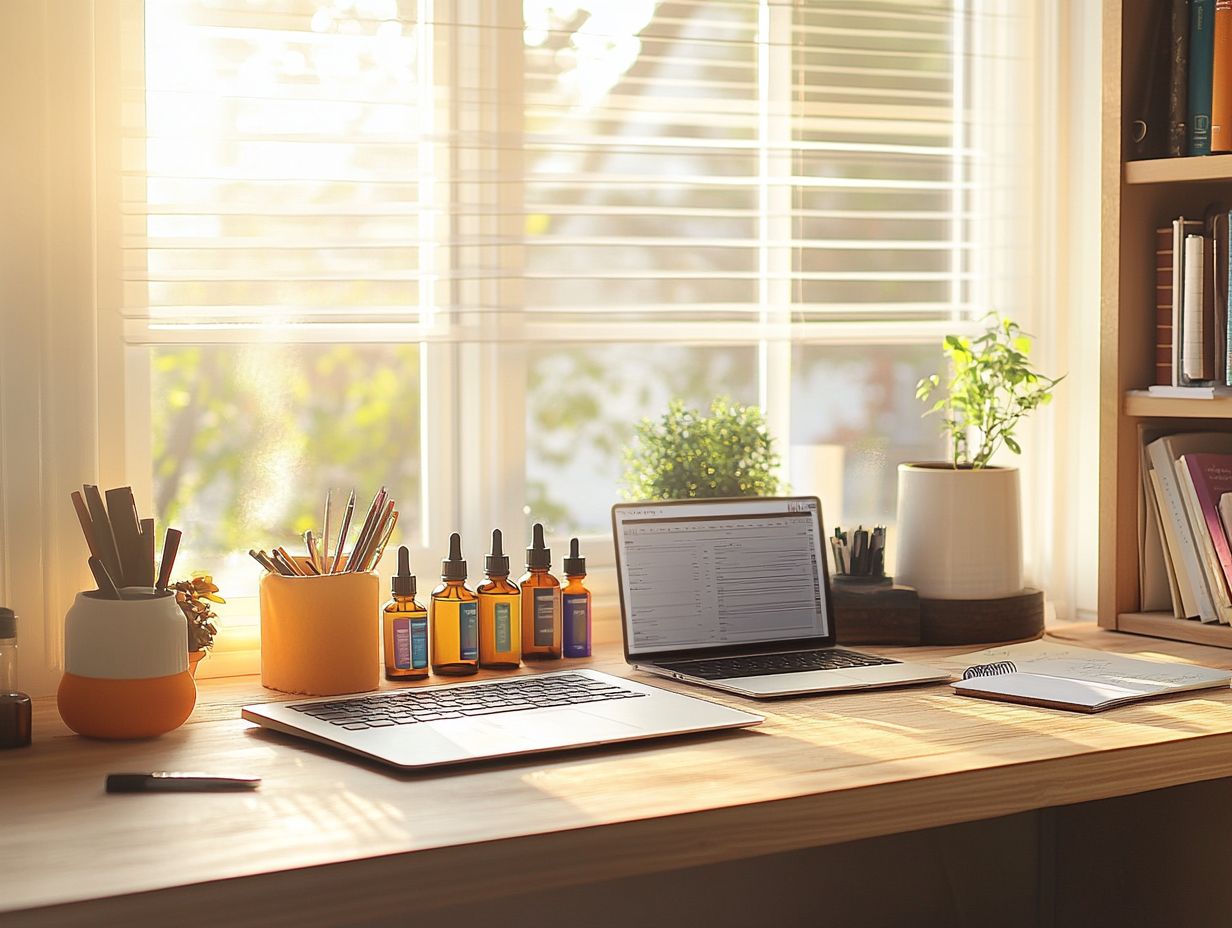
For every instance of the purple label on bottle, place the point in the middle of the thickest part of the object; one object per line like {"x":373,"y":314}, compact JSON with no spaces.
{"x":402,"y":644}
{"x":577,"y":624}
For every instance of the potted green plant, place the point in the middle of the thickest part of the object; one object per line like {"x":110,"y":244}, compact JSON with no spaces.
{"x":959,"y":522}
{"x":687,"y":453}
{"x":195,"y":598}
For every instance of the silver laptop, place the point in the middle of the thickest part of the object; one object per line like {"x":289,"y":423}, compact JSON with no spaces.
{"x":429,"y":726}
{"x":735,"y":594}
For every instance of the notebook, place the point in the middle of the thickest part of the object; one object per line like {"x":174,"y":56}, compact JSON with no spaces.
{"x":1041,"y":673}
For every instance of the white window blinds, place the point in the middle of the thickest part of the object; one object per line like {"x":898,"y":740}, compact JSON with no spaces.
{"x":693,"y":169}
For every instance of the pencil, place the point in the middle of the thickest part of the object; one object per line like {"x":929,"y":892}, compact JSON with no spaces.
{"x":371,"y":524}
{"x":374,"y":538}
{"x":329,"y":496}
{"x":340,"y":543}
{"x":380,"y":550}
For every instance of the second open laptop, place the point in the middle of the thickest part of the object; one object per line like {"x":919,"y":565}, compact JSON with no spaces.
{"x":735,"y":594}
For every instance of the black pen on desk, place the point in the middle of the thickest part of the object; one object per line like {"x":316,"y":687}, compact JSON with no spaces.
{"x":175,"y":782}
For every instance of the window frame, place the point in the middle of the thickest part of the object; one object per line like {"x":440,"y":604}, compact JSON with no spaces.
{"x":473,"y":476}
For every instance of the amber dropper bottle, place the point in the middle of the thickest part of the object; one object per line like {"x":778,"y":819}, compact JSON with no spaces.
{"x":541,"y":622}
{"x":405,"y":627}
{"x":575,"y":605}
{"x":500,"y":612}
{"x":454,"y":618}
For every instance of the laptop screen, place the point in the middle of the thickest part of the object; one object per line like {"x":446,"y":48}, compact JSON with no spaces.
{"x":709,"y":573}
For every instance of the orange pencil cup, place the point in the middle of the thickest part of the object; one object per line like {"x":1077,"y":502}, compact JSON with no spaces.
{"x":320,"y":636}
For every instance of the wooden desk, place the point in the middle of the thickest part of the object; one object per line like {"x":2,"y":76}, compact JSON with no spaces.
{"x":330,"y":840}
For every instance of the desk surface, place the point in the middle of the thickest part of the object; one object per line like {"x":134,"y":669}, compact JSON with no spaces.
{"x":820,"y":770}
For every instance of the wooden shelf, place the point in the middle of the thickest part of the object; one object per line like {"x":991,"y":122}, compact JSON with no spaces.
{"x":1173,"y":170}
{"x":1137,"y":404}
{"x":1166,"y":625}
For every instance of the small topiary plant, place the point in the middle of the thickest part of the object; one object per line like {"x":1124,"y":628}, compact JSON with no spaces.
{"x":687,"y":454}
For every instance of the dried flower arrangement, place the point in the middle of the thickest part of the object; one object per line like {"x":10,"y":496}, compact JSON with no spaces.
{"x":195,"y":597}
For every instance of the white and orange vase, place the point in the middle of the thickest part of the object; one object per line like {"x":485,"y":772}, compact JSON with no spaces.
{"x":126,"y":666}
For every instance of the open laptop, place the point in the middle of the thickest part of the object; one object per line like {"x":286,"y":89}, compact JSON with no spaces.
{"x":735,"y":594}
{"x":428,"y":726}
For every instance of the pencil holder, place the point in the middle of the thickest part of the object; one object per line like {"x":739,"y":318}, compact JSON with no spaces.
{"x":126,"y":666}
{"x":320,"y":636}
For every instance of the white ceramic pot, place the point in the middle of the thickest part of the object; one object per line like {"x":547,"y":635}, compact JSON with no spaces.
{"x":959,"y":531}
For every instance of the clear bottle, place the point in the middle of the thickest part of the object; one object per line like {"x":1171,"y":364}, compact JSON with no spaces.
{"x":500,"y":612}
{"x":454,"y":618}
{"x":405,"y":627}
{"x":541,"y":618}
{"x":575,"y":605}
{"x":15,"y":708}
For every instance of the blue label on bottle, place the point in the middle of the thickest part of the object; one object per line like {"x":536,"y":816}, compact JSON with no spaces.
{"x":504,"y":631}
{"x":402,"y":644}
{"x":419,"y":643}
{"x":577,"y":625}
{"x":468,"y":631}
{"x":547,"y":604}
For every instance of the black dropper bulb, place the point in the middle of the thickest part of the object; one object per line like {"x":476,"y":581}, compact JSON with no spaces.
{"x":497,"y":563}
{"x":453,"y":567}
{"x":404,"y":580}
{"x":538,"y":556}
{"x":575,"y":564}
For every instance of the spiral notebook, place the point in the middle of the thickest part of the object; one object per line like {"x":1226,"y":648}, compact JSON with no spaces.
{"x":1039,"y":673}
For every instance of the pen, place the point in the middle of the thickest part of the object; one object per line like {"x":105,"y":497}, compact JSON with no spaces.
{"x":342,"y":533}
{"x":329,"y":496}
{"x":175,"y":782}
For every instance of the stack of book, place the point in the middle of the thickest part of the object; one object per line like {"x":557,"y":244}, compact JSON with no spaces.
{"x":1192,"y":343}
{"x":1185,"y":96}
{"x":1185,"y":510}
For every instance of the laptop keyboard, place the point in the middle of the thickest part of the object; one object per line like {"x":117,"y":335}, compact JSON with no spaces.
{"x":407,"y":707}
{"x":757,"y":665}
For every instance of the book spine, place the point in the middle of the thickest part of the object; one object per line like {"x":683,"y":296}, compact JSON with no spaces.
{"x":1193,"y":355}
{"x":1201,"y":64}
{"x":1208,"y":502}
{"x":1163,"y":306}
{"x":1227,"y":300}
{"x":1221,"y":79}
{"x":1178,"y":78}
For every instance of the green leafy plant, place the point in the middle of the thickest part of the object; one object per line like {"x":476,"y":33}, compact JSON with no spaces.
{"x":992,"y":388}
{"x":194,"y":598}
{"x":688,"y":454}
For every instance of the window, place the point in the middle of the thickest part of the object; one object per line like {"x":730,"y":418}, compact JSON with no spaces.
{"x":459,"y":247}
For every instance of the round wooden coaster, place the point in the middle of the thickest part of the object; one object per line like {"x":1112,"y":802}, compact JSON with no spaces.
{"x":982,"y":621}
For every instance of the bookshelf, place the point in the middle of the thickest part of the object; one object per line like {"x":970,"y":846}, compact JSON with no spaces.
{"x":1137,"y":197}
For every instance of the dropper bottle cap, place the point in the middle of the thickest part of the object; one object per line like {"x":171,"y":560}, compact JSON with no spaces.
{"x":404,"y":580}
{"x":574,"y":564}
{"x":538,"y":556}
{"x":453,"y":567}
{"x":497,"y":563}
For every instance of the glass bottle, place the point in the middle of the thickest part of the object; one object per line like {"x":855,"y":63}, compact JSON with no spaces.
{"x":541,"y":617}
{"x":500,"y":612}
{"x":405,"y":627}
{"x":454,"y":618}
{"x":15,"y":707}
{"x":575,"y":605}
